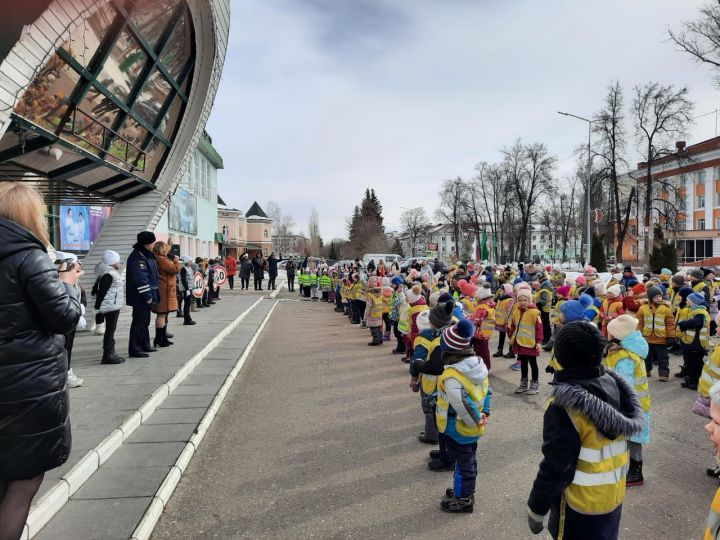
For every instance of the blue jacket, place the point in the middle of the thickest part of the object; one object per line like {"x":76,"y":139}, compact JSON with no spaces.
{"x":141,"y":278}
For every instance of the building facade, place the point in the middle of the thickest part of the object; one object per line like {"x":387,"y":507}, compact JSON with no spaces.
{"x":686,"y":203}
{"x":232,"y":225}
{"x":259,"y":231}
{"x":102,"y":104}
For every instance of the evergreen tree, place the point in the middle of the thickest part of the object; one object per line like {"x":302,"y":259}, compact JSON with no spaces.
{"x":366,"y":232}
{"x":664,"y":252}
{"x":597,"y":253}
{"x":332,"y":254}
{"x":397,"y":247}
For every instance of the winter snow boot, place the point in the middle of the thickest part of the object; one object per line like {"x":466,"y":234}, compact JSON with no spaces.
{"x":160,"y":338}
{"x":634,"y":476}
{"x":109,"y":357}
{"x":681,"y":373}
{"x":435,"y":454}
{"x":423,"y":438}
{"x":534,"y":388}
{"x":523,"y":387}
{"x":189,"y":322}
{"x":440,"y":465}
{"x":498,"y":354}
{"x":457,"y":505}
{"x":510,"y":355}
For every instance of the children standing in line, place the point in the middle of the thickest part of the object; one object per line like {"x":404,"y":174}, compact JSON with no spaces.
{"x":396,"y":301}
{"x":625,"y":353}
{"x":612,"y":307}
{"x":484,"y":319}
{"x":417,"y":305}
{"x":503,"y":308}
{"x":695,"y":339}
{"x":462,"y":411}
{"x":355,"y":295}
{"x":526,"y":335}
{"x":374,"y":311}
{"x":658,"y":328}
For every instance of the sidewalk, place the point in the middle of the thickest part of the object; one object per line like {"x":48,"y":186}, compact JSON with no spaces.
{"x":138,"y":414}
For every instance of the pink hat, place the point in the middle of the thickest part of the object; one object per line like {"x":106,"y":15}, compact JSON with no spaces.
{"x":563,"y":291}
{"x":524,"y":293}
{"x":580,"y":280}
{"x":387,"y":291}
{"x":507,"y":288}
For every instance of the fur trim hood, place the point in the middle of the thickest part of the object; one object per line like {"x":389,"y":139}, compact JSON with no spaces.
{"x":624,"y":417}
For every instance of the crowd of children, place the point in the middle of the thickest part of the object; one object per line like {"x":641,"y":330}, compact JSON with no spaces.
{"x":441,"y":326}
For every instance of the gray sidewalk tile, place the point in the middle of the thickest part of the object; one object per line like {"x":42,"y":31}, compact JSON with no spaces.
{"x":197,"y":389}
{"x":155,"y":454}
{"x":162,"y":433}
{"x":187,"y":402}
{"x":114,"y":483}
{"x":177,"y":416}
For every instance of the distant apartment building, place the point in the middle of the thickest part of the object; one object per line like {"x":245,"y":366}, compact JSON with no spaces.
{"x":689,"y":182}
{"x":243,"y":233}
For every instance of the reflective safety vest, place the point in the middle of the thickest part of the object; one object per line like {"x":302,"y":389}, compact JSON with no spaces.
{"x":468,"y":306}
{"x":525,"y":324}
{"x":475,"y":393}
{"x":654,"y":320}
{"x":689,"y":335}
{"x":596,"y":313}
{"x":556,"y":310}
{"x":325,"y":281}
{"x":675,"y":300}
{"x":683,"y":314}
{"x":404,"y":320}
{"x":699,"y":286}
{"x":502,"y":311}
{"x":599,"y":483}
{"x":640,"y":375}
{"x":376,"y":305}
{"x":414,"y":310}
{"x":710,"y":373}
{"x":544,"y":295}
{"x":487,"y":325}
{"x":712,"y":528}
{"x":428,"y":382}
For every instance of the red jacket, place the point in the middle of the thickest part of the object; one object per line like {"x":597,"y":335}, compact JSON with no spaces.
{"x":526,"y":351}
{"x":230,"y":266}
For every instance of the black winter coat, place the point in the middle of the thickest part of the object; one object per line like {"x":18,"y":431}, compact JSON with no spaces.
{"x":246,"y":268}
{"x":36,"y":309}
{"x":258,"y":268}
{"x":272,"y":267}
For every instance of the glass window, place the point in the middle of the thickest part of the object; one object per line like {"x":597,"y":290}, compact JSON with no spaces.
{"x":708,"y":248}
{"x":152,"y":96}
{"x":121,"y":69}
{"x":700,"y":177}
{"x":99,"y":107}
{"x":683,"y":179}
{"x":153,"y":159}
{"x":169,"y":122}
{"x":150,"y":18}
{"x":178,"y":48}
{"x":717,"y":199}
{"x":86,"y":38}
{"x":45,"y":100}
{"x":701,"y":201}
{"x":716,"y":173}
{"x":701,"y":224}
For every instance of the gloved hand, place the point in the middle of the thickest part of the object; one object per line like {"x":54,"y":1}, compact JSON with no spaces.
{"x":535,"y":522}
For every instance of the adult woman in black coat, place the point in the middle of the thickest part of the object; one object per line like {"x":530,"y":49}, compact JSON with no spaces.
{"x":38,"y":306}
{"x":272,"y":263}
{"x":291,"y":269}
{"x":246,"y":268}
{"x":258,"y":270}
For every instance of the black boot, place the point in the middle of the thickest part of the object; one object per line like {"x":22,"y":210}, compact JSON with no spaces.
{"x":165,"y":337}
{"x":189,"y":321}
{"x":498,"y":354}
{"x":159,"y":340}
{"x":635,"y":476}
{"x":457,"y":505}
{"x":681,"y":373}
{"x":109,"y":357}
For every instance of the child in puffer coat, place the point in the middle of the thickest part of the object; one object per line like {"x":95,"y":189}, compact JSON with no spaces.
{"x":374,"y":311}
{"x":710,"y":376}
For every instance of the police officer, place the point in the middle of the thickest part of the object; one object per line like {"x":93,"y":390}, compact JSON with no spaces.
{"x":141,"y":293}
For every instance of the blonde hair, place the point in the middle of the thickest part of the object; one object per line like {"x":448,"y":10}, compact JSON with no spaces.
{"x":161,"y":248}
{"x":24,"y":205}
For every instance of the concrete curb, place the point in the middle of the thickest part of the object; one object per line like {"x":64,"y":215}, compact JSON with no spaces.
{"x":56,"y":497}
{"x":276,"y":290}
{"x":145,"y":527}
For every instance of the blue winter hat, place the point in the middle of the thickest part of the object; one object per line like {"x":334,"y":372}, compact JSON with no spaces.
{"x":575,"y":309}
{"x":458,"y":336}
{"x":397,"y":281}
{"x":697,"y":299}
{"x":517,"y":280}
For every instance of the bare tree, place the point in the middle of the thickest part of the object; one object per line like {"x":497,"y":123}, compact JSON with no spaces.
{"x":452,"y":202}
{"x":701,"y":38}
{"x":661,"y":114}
{"x":415,"y":224}
{"x":314,"y":233}
{"x":283,"y":225}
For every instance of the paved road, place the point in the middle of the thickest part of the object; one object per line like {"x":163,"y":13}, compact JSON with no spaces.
{"x":317,"y":439}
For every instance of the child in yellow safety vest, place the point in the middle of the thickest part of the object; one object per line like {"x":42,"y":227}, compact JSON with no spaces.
{"x":590,"y":415}
{"x":374,"y":311}
{"x":702,"y":406}
{"x":503,"y":306}
{"x":387,"y":295}
{"x":627,"y":354}
{"x":612,"y":307}
{"x":695,"y":339}
{"x":526,"y":335}
{"x":418,"y":304}
{"x":561,"y":294}
{"x":484,"y":319}
{"x":657,"y":325}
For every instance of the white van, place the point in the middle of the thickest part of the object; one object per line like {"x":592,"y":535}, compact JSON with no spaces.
{"x":387,"y":257}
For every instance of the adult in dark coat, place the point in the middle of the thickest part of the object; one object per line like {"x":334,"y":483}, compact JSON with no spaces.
{"x":258,"y":264}
{"x":142,"y":292}
{"x":291,"y":269}
{"x":272,"y":263}
{"x":39,"y":305}
{"x":246,"y":268}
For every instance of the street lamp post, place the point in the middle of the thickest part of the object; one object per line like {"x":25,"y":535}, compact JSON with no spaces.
{"x":587,"y":179}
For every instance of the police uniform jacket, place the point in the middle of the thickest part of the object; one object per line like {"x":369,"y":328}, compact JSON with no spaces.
{"x":141,"y":278}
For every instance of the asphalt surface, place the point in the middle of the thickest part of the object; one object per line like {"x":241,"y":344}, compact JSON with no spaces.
{"x":317,"y":439}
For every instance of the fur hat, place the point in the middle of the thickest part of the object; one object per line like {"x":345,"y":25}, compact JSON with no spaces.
{"x":622,"y":326}
{"x":579,"y":344}
{"x":575,"y":309}
{"x":458,"y":336}
{"x":653,"y":291}
{"x":614,"y":291}
{"x":110,"y":257}
{"x":441,"y":314}
{"x":697,"y":299}
{"x":414,"y":293}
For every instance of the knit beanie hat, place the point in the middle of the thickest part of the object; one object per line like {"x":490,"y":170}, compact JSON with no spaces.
{"x":468,"y":289}
{"x":678,"y":280}
{"x":617,"y":277}
{"x":696,"y":273}
{"x":483,"y":293}
{"x":638,"y":289}
{"x":110,"y":257}
{"x":579,"y":344}
{"x":146,"y":237}
{"x":599,"y":287}
{"x":386,"y":282}
{"x":697,"y":299}
{"x":414,"y":293}
{"x":423,"y":320}
{"x":441,"y":314}
{"x":186,"y":259}
{"x":524,"y":293}
{"x":653,"y":291}
{"x":397,"y":281}
{"x":614,"y":291}
{"x":627,"y":269}
{"x":575,"y":309}
{"x":563,"y":291}
{"x":507,"y":289}
{"x":458,"y":336}
{"x":621,"y":327}
{"x":580,"y":280}
{"x":707,"y":271}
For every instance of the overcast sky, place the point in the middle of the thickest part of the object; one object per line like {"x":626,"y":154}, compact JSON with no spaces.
{"x":323,"y":98}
